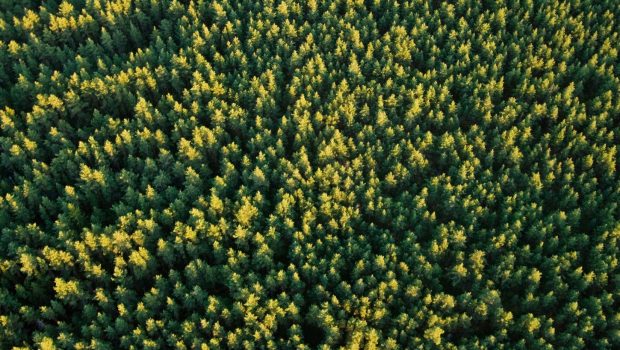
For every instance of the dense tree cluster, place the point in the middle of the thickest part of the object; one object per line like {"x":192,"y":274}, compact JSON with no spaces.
{"x":296,"y":174}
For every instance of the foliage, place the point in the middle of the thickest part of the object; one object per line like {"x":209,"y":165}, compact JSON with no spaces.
{"x":309,"y":174}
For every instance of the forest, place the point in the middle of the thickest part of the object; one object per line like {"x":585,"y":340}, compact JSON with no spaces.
{"x":307,"y":174}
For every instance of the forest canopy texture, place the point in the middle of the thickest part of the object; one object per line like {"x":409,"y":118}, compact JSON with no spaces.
{"x":305,"y":174}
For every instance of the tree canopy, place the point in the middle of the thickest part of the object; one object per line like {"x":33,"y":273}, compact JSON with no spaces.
{"x":287,"y":174}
